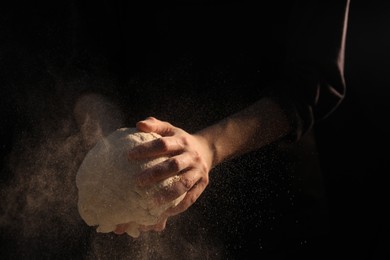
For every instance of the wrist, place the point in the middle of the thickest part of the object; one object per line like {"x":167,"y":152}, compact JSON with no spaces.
{"x":208,"y":150}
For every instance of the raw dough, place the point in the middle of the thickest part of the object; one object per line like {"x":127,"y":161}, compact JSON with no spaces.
{"x":107,"y":193}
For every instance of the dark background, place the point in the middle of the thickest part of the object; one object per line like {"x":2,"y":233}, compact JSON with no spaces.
{"x":354,"y":141}
{"x":40,"y":85}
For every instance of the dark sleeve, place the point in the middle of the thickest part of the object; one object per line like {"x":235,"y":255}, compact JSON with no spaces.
{"x":313,"y":84}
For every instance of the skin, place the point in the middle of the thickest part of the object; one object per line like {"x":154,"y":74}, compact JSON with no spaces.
{"x":192,"y":156}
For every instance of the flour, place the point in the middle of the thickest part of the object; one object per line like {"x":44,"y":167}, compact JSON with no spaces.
{"x":107,"y":192}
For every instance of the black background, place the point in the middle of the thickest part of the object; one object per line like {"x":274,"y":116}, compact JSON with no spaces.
{"x":352,"y":143}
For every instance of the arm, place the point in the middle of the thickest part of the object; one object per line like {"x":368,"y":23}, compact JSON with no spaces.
{"x":312,"y":88}
{"x":260,"y":124}
{"x":194,"y":155}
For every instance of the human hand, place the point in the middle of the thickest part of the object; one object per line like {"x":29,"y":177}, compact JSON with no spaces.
{"x":190,"y":158}
{"x":159,"y":226}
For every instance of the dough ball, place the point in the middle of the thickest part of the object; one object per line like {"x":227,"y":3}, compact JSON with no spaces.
{"x":107,"y":193}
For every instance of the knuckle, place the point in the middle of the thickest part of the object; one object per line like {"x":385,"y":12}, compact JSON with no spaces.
{"x":205,"y":181}
{"x":204,"y":168}
{"x":187,"y":184}
{"x":163,"y":144}
{"x":174,"y":164}
{"x":185,"y":140}
{"x":197,"y":157}
{"x":191,"y":200}
{"x":180,"y":143}
{"x":152,"y":118}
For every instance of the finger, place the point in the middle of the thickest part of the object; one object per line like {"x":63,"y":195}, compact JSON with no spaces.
{"x":168,"y":168}
{"x":160,"y":226}
{"x":186,"y":182}
{"x":144,"y":228}
{"x":190,"y":198}
{"x":158,"y":147}
{"x":151,"y":124}
{"x":156,"y":227}
{"x":121,"y":228}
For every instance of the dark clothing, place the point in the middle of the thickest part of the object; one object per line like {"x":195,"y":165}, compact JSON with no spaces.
{"x":190,"y":64}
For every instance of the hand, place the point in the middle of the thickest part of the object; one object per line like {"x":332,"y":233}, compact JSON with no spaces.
{"x":190,"y":158}
{"x":159,"y":226}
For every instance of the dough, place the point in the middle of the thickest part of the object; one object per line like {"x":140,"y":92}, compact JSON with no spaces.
{"x":107,"y":193}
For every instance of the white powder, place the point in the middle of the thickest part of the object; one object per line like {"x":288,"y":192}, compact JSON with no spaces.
{"x":107,"y":193}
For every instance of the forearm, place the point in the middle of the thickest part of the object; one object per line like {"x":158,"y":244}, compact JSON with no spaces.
{"x":252,"y":128}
